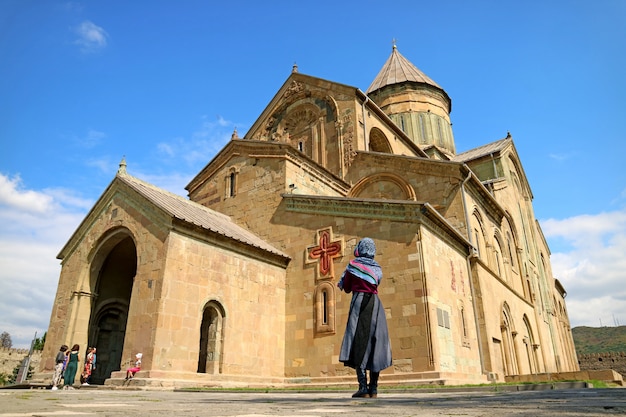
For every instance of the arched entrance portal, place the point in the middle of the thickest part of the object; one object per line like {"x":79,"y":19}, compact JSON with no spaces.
{"x":113,"y":286}
{"x":211,"y":339}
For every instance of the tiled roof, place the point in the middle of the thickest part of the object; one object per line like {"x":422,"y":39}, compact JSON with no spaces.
{"x":483,"y":150}
{"x":396,"y":70}
{"x":196,"y":214}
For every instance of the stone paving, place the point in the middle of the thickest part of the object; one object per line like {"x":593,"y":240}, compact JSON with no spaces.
{"x":130,"y":403}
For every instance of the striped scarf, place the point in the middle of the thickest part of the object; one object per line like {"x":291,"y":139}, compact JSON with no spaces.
{"x":364,"y":266}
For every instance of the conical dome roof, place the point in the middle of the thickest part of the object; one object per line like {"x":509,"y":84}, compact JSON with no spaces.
{"x":414,"y":102}
{"x":398,"y":69}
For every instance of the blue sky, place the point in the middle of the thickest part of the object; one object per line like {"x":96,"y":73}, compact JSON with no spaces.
{"x":165,"y":83}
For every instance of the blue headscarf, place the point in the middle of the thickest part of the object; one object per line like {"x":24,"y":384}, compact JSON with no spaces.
{"x":364,"y":266}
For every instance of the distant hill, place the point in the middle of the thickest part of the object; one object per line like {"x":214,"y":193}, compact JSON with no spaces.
{"x":599,"y":339}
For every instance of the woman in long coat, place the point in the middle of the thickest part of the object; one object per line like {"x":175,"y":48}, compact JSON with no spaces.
{"x":365,"y":343}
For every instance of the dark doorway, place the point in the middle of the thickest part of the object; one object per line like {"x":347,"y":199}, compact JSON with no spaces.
{"x":107,"y":327}
{"x":109,"y":341}
{"x":209,"y":360}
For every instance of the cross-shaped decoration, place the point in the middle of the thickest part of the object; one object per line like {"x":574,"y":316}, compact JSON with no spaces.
{"x":326,"y":250}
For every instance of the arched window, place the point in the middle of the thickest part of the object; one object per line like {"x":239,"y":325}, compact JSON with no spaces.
{"x":378,"y":141}
{"x":508,"y":342}
{"x":478,"y":234}
{"x":231,"y":183}
{"x":531,"y":347}
{"x":499,"y":259}
{"x":463,"y":323}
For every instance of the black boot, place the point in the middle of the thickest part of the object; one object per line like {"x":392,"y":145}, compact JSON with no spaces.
{"x":373,"y":387}
{"x":362,"y":392}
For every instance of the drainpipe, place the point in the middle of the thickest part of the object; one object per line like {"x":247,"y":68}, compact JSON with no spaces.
{"x":364,"y":125}
{"x":469,"y":270}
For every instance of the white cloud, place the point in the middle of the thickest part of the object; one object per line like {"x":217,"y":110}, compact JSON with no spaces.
{"x":91,"y":37}
{"x":35,"y":226}
{"x":104,"y":164}
{"x":204,"y":143}
{"x":92,"y":138}
{"x":24,"y":201}
{"x":172,"y":182}
{"x":593,"y":269}
{"x":559,"y":157}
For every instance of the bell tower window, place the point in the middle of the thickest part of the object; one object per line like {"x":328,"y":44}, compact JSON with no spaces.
{"x":230,"y":183}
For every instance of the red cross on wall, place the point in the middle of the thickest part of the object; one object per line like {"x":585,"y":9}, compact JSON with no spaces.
{"x":326,"y":250}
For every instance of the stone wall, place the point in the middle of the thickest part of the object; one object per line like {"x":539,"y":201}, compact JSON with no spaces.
{"x":10,"y":358}
{"x":600,"y":361}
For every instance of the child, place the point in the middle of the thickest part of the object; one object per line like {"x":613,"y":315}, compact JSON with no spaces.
{"x":90,"y":365}
{"x":130,"y":372}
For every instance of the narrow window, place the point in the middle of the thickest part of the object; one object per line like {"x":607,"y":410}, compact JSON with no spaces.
{"x":508,"y":243}
{"x":232,"y":185}
{"x":477,"y":241}
{"x":301,"y":146}
{"x":463,"y":322}
{"x":440,"y":132}
{"x":440,"y":317}
{"x":324,"y":307}
{"x":498,"y":263}
{"x":443,"y":318}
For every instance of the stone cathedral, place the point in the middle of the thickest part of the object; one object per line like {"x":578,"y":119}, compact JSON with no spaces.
{"x":235,"y":285}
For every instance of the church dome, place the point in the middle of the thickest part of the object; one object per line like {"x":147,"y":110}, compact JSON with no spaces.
{"x":416,"y":103}
{"x":397,"y":70}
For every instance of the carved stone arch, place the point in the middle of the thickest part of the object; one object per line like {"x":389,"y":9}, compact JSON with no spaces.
{"x":507,"y":317}
{"x":499,"y":247}
{"x":531,"y":347}
{"x":478,"y":232}
{"x":305,"y":126}
{"x":557,"y":307}
{"x":330,"y":100}
{"x":308,"y":121}
{"x":112,"y":270}
{"x":508,"y":334}
{"x":497,"y":235}
{"x":516,"y":172}
{"x":511,"y":242}
{"x":378,"y":141}
{"x":107,"y":241}
{"x":384,"y":185}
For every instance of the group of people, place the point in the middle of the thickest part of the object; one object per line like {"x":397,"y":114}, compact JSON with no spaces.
{"x":365,"y":346}
{"x":66,"y":366}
